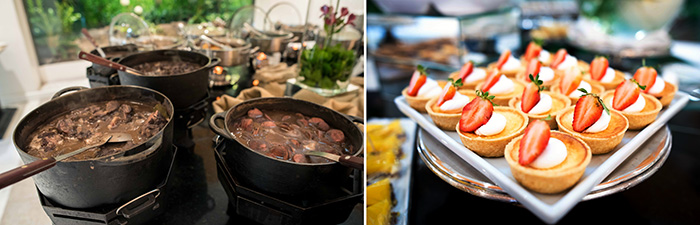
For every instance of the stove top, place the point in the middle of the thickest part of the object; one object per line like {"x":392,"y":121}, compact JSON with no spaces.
{"x":329,"y":205}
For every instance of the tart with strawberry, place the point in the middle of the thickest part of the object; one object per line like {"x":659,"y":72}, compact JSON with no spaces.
{"x":562,"y":61}
{"x":628,"y":98}
{"x":535,"y":51}
{"x":591,"y":121}
{"x":500,"y":86}
{"x":507,"y":64}
{"x":486,"y":129}
{"x":535,"y":67}
{"x":470,"y":75}
{"x":547,"y":161}
{"x":572,"y":81}
{"x":656,"y":86}
{"x":447,"y":109}
{"x":421,"y":89}
{"x":538,"y":104}
{"x":601,"y":73}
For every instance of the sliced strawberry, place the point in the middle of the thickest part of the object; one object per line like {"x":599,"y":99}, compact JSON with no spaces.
{"x":448,"y":92}
{"x":559,"y":58}
{"x":502,"y":60}
{"x":588,"y":110}
{"x":476,"y":113}
{"x":532,"y":52}
{"x":466,"y":70}
{"x":598,"y":67}
{"x":570,"y":81}
{"x":490,"y":80}
{"x":533,"y":68}
{"x":534,"y":141}
{"x":625,"y":95}
{"x":646,"y":76}
{"x":531,"y":96}
{"x":417,"y":82}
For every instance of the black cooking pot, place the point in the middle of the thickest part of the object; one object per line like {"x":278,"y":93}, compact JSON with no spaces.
{"x":185,"y":89}
{"x":104,"y":180}
{"x":281,"y":176}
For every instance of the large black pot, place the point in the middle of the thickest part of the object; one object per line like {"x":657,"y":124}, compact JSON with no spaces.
{"x":281,"y":176}
{"x":185,"y":89}
{"x":104,"y":180}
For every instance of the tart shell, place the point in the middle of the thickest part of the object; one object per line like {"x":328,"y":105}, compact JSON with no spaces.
{"x":637,"y":120}
{"x":595,"y":88}
{"x":599,"y":143}
{"x":619,"y":78}
{"x":514,"y":103}
{"x":418,"y":103}
{"x":487,"y":146}
{"x":446,"y":121}
{"x":553,"y":180}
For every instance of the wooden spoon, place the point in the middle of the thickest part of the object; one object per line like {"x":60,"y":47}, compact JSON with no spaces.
{"x":105,"y":62}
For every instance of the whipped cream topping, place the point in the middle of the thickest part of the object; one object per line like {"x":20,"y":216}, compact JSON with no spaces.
{"x":544,"y":57}
{"x":609,"y":75}
{"x":511,"y":64}
{"x":477,"y":74}
{"x":495,"y":125}
{"x":585,"y":85}
{"x":546,"y":74}
{"x":601,"y":124}
{"x":637,"y":106}
{"x":569,"y":61}
{"x":502,"y":86}
{"x":457,"y":102}
{"x":554,"y":154}
{"x":658,"y":86}
{"x":543,"y":106}
{"x":430,"y":89}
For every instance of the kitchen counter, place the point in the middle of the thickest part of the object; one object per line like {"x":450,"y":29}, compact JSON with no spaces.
{"x":194,"y":193}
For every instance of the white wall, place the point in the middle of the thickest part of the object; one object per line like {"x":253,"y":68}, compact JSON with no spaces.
{"x":19,"y":71}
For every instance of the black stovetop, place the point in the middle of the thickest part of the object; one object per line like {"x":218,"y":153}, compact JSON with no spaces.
{"x":195,"y":195}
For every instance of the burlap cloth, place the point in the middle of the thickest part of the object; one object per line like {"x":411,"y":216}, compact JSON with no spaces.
{"x":273,"y":84}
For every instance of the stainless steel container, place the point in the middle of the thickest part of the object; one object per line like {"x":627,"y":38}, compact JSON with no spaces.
{"x":238,"y":55}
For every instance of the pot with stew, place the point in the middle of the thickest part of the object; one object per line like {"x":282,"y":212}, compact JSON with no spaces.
{"x":183,"y":76}
{"x":270,"y":137}
{"x":111,"y":173}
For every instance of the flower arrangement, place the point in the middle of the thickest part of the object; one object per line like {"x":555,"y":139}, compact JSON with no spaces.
{"x":324,"y":65}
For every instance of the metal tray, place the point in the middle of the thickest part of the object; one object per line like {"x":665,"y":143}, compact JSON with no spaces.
{"x":548,"y":207}
{"x":458,"y":173}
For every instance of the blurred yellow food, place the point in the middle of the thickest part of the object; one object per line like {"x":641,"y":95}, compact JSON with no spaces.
{"x":379,"y":213}
{"x":378,"y":191}
{"x":383,"y":147}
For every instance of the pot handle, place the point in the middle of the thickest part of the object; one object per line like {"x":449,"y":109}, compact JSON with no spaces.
{"x":151,"y":197}
{"x":355,"y":119}
{"x":215,"y":127}
{"x":214,"y":61}
{"x":66,"y":90}
{"x":253,"y":50}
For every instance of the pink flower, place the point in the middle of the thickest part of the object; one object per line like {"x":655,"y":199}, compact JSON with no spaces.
{"x":330,"y":20}
{"x":351,"y":18}
{"x":325,"y":9}
{"x":343,"y":11}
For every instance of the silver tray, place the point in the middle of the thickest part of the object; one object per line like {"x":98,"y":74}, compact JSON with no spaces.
{"x":636,"y":168}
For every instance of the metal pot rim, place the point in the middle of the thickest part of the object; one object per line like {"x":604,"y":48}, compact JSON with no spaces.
{"x":102,"y":159}
{"x":202,"y":67}
{"x":229,"y":111}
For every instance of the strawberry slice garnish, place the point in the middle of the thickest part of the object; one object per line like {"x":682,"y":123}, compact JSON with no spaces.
{"x":587,"y":111}
{"x":502,"y":60}
{"x":490,"y":80}
{"x":477,"y":112}
{"x":626,"y":94}
{"x":531,"y":95}
{"x":448,"y":92}
{"x":533,"y":51}
{"x":559,"y":58}
{"x":417,"y":80}
{"x":570,"y":81}
{"x":466,"y":70}
{"x":598,"y":67}
{"x":534,"y":141}
{"x":646,"y":76}
{"x":533,"y":68}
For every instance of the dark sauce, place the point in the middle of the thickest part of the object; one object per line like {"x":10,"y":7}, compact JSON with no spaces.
{"x":166,"y":68}
{"x":91,"y":124}
{"x":287,"y":136}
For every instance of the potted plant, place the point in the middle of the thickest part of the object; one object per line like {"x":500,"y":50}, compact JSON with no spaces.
{"x":326,"y":68}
